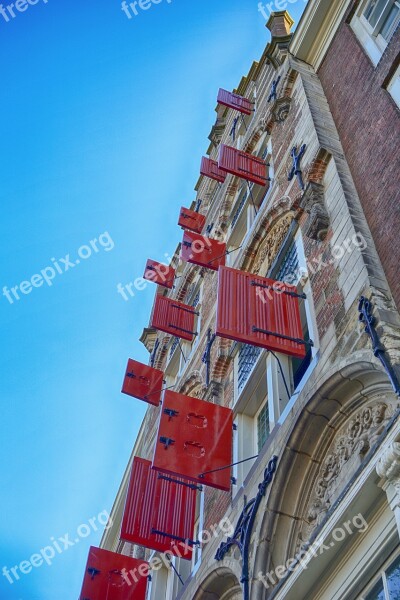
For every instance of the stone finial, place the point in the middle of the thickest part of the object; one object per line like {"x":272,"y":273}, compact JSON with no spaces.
{"x":280,"y":24}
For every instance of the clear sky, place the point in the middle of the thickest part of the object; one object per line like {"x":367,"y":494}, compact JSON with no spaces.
{"x":103,"y":123}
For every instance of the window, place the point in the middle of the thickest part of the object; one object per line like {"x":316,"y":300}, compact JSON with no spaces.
{"x":198,"y":528}
{"x":247,"y":204}
{"x":388,"y":585}
{"x":252,"y":410}
{"x":247,"y":358}
{"x":262,"y":426}
{"x":393,"y":86}
{"x":374,"y":24}
{"x":288,"y":268}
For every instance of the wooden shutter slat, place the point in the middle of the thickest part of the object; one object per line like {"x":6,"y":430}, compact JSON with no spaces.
{"x":163,"y":506}
{"x":234,"y":101}
{"x":174,"y":318}
{"x":209,"y":168}
{"x":242,"y":306}
{"x":243,"y":165}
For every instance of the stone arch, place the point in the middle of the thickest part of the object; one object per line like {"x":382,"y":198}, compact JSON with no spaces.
{"x":193,"y":386}
{"x":220,"y":584}
{"x":271,"y":233}
{"x":332,"y":432}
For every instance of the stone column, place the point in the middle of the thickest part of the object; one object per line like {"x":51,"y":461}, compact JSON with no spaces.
{"x":388,"y":468}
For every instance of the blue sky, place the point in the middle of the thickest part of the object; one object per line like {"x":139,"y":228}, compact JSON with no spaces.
{"x":103,"y":123}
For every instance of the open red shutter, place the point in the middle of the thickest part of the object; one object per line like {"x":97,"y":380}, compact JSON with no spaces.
{"x":235,"y":101}
{"x":113,"y":576}
{"x":203,"y":251}
{"x":174,"y":317}
{"x":194,"y":436}
{"x":243,"y":165}
{"x":191,"y":220}
{"x":248,"y":303}
{"x":209,"y":168}
{"x":159,"y":514}
{"x":159,"y":273}
{"x":143,"y":382}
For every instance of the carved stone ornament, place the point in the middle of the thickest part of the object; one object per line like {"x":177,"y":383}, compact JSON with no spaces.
{"x":346,"y":453}
{"x":271,"y":245}
{"x":313,"y":203}
{"x":388,"y":466}
{"x":280,"y":109}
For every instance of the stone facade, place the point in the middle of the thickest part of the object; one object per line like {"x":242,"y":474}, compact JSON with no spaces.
{"x":336,"y":434}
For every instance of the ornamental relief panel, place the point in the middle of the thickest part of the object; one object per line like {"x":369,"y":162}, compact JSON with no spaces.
{"x":352,"y":442}
{"x":271,"y":245}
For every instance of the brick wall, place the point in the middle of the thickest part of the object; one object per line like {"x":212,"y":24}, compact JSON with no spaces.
{"x":367,"y":120}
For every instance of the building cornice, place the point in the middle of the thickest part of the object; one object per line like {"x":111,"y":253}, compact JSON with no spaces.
{"x":316,"y":30}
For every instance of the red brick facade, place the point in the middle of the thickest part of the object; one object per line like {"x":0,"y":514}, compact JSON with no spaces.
{"x":367,"y":117}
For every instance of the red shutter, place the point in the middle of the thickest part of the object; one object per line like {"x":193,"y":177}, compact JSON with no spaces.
{"x":174,"y":317}
{"x":191,"y":220}
{"x":243,"y":165}
{"x":235,"y":101}
{"x":194,"y":436}
{"x":159,"y":273}
{"x":243,"y":306}
{"x":111,"y":576}
{"x":209,"y":168}
{"x":157,"y":505}
{"x":143,"y":382}
{"x":203,"y":251}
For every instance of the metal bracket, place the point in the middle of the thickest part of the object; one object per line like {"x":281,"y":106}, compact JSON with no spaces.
{"x":283,"y":337}
{"x":166,"y":441}
{"x":93,"y":572}
{"x":278,"y":291}
{"x":175,"y":537}
{"x":296,"y":169}
{"x":274,"y":88}
{"x":171,"y":412}
{"x":206,"y":358}
{"x":366,"y":317}
{"x":182,"y":329}
{"x":191,"y":486}
{"x":244,"y":528}
{"x":193,"y":312}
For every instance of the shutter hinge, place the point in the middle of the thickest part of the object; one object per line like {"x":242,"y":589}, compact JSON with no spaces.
{"x":93,"y":572}
{"x":166,"y":441}
{"x":171,"y":412}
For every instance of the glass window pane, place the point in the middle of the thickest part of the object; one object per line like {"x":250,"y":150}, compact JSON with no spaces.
{"x":262,"y":426}
{"x":377,"y":593}
{"x":388,"y":25}
{"x":374,"y":11}
{"x":393,"y":580}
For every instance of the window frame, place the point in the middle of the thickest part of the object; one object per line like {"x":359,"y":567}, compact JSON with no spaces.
{"x":370,"y":37}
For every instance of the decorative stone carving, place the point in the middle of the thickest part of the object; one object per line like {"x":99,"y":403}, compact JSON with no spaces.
{"x":280,"y":109}
{"x":351,"y":444}
{"x":388,"y":466}
{"x":313,"y":203}
{"x":271,"y":245}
